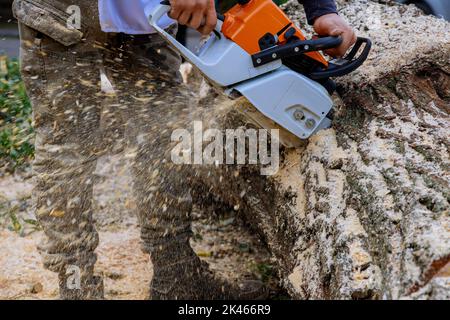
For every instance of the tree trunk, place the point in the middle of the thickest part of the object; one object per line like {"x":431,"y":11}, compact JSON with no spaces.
{"x":362,"y":211}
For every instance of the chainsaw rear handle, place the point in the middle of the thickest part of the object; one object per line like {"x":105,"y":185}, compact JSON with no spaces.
{"x":295,"y":48}
{"x":350,"y":62}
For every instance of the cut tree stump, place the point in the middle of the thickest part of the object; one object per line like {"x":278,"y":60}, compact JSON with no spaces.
{"x":362,"y":211}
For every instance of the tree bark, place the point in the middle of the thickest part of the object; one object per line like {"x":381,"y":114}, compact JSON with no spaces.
{"x":362,"y":211}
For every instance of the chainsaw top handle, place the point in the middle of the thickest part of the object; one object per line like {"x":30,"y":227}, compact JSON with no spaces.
{"x":294,"y":48}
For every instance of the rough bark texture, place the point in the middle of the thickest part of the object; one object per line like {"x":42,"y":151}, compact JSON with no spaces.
{"x":372,"y":193}
{"x":362,"y":211}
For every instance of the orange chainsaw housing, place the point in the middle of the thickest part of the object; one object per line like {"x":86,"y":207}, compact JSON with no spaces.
{"x":246,"y":24}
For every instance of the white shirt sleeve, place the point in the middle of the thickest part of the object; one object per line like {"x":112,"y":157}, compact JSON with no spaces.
{"x":128,"y":16}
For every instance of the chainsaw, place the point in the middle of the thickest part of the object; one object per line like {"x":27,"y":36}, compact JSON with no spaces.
{"x":258,"y":53}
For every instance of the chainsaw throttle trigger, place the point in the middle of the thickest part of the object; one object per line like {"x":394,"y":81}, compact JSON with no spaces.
{"x":294,"y":48}
{"x":348,"y":64}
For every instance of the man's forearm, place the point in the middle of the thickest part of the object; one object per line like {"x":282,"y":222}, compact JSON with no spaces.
{"x":317,"y":8}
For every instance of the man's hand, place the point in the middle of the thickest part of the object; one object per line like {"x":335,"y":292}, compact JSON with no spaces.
{"x":197,"y":14}
{"x":334,"y":25}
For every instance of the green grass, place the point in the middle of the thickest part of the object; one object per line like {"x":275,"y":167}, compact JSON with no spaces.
{"x":14,"y":218}
{"x":16,"y":131}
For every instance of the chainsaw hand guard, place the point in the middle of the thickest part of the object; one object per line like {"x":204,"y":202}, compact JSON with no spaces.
{"x":350,"y":63}
{"x":300,"y":47}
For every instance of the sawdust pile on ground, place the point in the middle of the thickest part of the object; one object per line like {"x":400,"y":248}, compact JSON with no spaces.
{"x":126,"y":269}
{"x":221,"y":240}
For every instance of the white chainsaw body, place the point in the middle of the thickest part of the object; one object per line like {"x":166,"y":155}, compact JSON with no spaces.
{"x":295,"y":102}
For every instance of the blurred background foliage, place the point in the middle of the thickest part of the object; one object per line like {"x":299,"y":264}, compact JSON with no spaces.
{"x":16,"y":132}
